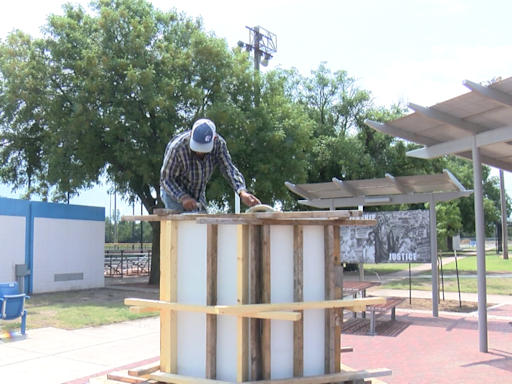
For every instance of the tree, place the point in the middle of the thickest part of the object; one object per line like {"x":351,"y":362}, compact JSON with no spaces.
{"x":103,"y":92}
{"x":462,"y":169}
{"x":268,"y":140}
{"x":344,"y":146}
{"x":449,"y":223}
{"x":114,"y":86}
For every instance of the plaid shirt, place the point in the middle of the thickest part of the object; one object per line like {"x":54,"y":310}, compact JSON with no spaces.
{"x":183,"y":173}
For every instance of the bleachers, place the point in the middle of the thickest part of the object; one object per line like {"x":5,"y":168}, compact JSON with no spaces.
{"x":121,"y":263}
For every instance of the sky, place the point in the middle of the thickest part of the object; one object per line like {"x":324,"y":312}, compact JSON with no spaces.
{"x":400,"y":50}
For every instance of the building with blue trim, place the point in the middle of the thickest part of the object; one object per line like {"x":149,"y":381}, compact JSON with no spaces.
{"x":50,"y":247}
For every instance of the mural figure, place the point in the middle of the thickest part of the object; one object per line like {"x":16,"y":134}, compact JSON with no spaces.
{"x":407,"y":243}
{"x":385,"y":242}
{"x":369,"y":249}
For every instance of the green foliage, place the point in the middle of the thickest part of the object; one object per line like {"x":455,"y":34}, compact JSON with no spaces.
{"x":267,"y":140}
{"x":493,"y":263}
{"x":449,"y":222}
{"x":127,"y":231}
{"x":463,"y":170}
{"x":495,"y":285}
{"x":102,"y":93}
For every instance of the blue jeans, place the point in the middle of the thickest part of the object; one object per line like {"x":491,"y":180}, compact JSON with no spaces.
{"x":169,"y":202}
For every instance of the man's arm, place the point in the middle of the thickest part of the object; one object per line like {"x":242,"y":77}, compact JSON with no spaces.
{"x":170,"y":172}
{"x":233,"y":175}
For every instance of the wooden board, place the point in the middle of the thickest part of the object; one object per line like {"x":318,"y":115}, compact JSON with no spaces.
{"x":168,"y":292}
{"x":329,"y":295}
{"x":265,"y":298}
{"x":145,"y":370}
{"x":147,"y":305}
{"x":255,"y":262}
{"x":326,"y":304}
{"x":211,"y":299}
{"x":241,"y":220}
{"x":242,"y":365}
{"x":321,"y":379}
{"x":338,"y":294}
{"x":298,"y":296}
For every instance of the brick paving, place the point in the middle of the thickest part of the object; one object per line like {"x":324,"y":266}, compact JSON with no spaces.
{"x":420,"y":349}
{"x":501,"y":310}
{"x":429,"y":350}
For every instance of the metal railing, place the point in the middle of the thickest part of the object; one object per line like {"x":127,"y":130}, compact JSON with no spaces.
{"x":125,"y":263}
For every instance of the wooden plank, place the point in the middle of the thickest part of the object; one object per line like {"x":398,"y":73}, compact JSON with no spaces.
{"x":298,"y":296}
{"x":277,"y":315}
{"x":329,"y":378}
{"x":169,"y":305}
{"x":325,"y":304}
{"x":147,"y":305}
{"x":329,"y":295}
{"x":320,"y":379}
{"x":307,"y":214}
{"x":242,"y":366}
{"x":292,"y":221}
{"x":180,"y":379}
{"x":265,"y":298}
{"x":145,"y":369}
{"x":181,"y":217}
{"x":327,"y":221}
{"x":123,"y":377}
{"x":211,"y":299}
{"x":168,"y":292}
{"x":255,"y":298}
{"x":340,"y":214}
{"x":338,"y":294}
{"x":140,"y":310}
{"x":349,"y":369}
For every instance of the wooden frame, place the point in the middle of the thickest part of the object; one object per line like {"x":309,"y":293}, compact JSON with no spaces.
{"x":275,"y":311}
{"x":168,"y":292}
{"x":254,"y":309}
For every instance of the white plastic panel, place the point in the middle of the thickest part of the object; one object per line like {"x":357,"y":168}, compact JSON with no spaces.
{"x":281,"y":275}
{"x":191,"y":290}
{"x":314,"y":290}
{"x":226,"y":295}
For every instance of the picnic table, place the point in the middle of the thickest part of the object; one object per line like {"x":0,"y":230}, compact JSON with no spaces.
{"x":355,"y":288}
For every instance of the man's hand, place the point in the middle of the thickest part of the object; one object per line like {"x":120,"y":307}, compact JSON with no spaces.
{"x":248,"y":199}
{"x":189,"y":203}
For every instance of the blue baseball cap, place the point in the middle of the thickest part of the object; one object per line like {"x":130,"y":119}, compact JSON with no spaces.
{"x":201,"y":138}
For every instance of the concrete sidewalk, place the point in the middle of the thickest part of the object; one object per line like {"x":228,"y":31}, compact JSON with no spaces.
{"x":55,"y":356}
{"x":470,"y":297}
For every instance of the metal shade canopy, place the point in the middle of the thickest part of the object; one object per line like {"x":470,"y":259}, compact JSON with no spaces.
{"x":387,"y":190}
{"x":475,"y":126}
{"x":483,"y":115}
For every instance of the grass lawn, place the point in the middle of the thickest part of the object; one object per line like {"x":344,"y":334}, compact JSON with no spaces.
{"x":495,"y":285}
{"x":79,"y":309}
{"x":383,"y":269}
{"x":467,"y":265}
{"x":493,"y":263}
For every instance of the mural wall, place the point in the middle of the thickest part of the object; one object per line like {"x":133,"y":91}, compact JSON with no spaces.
{"x":398,"y":237}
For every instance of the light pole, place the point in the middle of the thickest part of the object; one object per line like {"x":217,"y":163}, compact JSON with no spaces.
{"x":504,"y":216}
{"x":263,"y":43}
